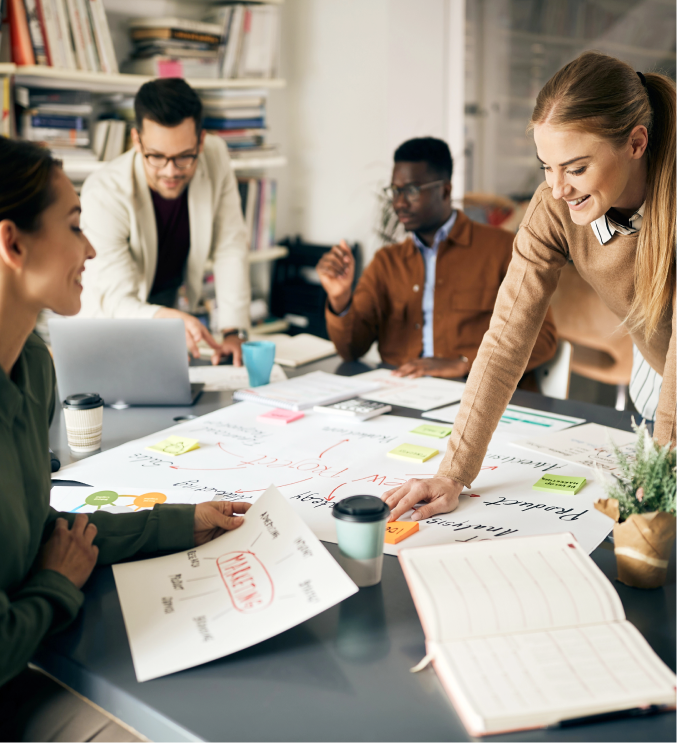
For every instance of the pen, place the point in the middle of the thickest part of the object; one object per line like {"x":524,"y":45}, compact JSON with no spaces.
{"x":652,"y":709}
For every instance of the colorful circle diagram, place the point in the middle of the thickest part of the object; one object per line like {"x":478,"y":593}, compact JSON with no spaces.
{"x":108,"y":497}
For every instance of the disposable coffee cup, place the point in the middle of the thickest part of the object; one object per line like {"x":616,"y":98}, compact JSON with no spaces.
{"x":259,"y":357}
{"x":84,"y":422}
{"x":361,"y":529}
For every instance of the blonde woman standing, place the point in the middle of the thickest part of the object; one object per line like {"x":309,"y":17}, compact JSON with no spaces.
{"x":605,"y":136}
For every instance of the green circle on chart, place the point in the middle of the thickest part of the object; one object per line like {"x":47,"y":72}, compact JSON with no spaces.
{"x":101,"y":498}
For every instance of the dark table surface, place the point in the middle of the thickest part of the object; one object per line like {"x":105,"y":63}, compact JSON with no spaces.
{"x":343,"y":675}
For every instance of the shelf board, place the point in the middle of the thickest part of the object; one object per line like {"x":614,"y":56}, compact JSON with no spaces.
{"x":101,"y":82}
{"x":258,"y":163}
{"x":271,"y":254}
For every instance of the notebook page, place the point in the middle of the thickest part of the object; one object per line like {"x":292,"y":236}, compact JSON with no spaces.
{"x":518,"y":585}
{"x":539,"y":678}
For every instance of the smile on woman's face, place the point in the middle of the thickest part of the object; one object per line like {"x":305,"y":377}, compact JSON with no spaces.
{"x":57,"y":252}
{"x":589,"y":173}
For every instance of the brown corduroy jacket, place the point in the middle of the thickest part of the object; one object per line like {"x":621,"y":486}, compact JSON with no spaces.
{"x":387,"y":305}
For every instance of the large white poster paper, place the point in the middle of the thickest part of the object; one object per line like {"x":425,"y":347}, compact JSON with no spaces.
{"x":250,"y":584}
{"x":589,"y":445}
{"x":321,"y":459}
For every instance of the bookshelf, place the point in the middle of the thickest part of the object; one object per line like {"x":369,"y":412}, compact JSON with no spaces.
{"x":513,"y":47}
{"x":271,"y":254}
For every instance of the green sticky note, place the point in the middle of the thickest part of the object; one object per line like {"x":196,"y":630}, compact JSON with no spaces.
{"x":413,"y":453}
{"x":559,"y":484}
{"x":175,"y":445}
{"x":438,"y":432}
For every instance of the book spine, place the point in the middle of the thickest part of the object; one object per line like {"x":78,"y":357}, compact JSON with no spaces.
{"x":88,"y":36}
{"x":273,"y":211}
{"x":75,"y":24}
{"x":104,"y":40}
{"x":53,"y":31}
{"x":65,"y":38}
{"x":59,"y":122}
{"x":45,"y":32}
{"x":35,"y":30}
{"x":19,"y":34}
{"x":5,"y":129}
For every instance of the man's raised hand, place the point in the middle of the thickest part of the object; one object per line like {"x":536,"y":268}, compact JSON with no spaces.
{"x":336,"y":270}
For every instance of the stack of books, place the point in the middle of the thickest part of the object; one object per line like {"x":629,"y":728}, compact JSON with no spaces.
{"x":175,"y":47}
{"x":251,"y":40}
{"x":258,"y":197}
{"x":60,"y":118}
{"x":71,"y":34}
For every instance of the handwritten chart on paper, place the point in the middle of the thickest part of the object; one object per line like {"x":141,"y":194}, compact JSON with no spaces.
{"x":589,"y":445}
{"x":265,"y":577}
{"x":321,"y":459}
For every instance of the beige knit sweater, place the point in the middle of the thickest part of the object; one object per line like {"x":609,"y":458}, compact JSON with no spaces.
{"x":546,"y":240}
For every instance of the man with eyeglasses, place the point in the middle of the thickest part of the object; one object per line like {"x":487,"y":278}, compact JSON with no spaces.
{"x":158,"y":213}
{"x":427,"y":300}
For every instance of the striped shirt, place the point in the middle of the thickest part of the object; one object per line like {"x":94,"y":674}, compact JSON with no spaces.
{"x":645,"y":383}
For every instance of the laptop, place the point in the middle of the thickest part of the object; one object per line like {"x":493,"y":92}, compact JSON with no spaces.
{"x":127,"y":362}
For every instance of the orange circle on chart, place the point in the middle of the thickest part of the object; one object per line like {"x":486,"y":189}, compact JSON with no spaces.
{"x":148,"y":500}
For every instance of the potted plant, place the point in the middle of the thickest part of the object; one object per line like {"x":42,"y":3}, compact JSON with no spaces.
{"x":641,"y":499}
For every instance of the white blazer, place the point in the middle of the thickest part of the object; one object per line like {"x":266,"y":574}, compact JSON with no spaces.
{"x":119,"y":220}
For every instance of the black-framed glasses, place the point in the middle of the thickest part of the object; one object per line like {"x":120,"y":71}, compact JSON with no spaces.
{"x":181,"y":162}
{"x":411,"y":192}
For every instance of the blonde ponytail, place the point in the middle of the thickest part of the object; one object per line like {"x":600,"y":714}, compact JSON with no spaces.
{"x":599,"y":94}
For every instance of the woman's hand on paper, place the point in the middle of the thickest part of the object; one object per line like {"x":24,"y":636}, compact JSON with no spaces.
{"x":429,"y":367}
{"x":440,"y":494}
{"x":70,"y":551}
{"x":214,"y":518}
{"x":336,"y":270}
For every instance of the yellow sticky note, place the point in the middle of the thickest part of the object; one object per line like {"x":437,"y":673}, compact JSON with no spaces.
{"x":396,"y":531}
{"x":413,"y":453}
{"x":175,"y":445}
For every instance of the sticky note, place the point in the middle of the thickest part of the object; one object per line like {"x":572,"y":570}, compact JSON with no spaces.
{"x":413,"y":453}
{"x":438,"y":432}
{"x":396,"y":531}
{"x":279,"y":416}
{"x":175,"y":445}
{"x":559,"y":484}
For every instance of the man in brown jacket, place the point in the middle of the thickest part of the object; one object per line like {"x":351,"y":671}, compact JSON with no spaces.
{"x":428,"y":300}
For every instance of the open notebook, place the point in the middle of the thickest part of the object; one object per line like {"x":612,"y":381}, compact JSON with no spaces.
{"x":528,"y":632}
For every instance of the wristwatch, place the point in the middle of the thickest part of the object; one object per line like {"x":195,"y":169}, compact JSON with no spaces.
{"x":242,"y":333}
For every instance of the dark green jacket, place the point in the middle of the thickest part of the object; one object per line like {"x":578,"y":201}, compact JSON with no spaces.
{"x":34,"y":603}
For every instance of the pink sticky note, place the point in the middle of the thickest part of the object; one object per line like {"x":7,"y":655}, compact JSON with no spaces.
{"x":279,"y":417}
{"x":170,"y":68}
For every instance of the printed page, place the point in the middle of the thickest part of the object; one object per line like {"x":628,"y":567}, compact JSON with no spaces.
{"x":223,"y":377}
{"x":113,"y":498}
{"x":539,"y":678}
{"x":422,"y":393}
{"x":250,"y":584}
{"x":517,"y":585}
{"x":516,"y":421}
{"x":589,"y":445}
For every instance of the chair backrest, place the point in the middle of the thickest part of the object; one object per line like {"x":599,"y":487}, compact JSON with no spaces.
{"x":553,"y":376}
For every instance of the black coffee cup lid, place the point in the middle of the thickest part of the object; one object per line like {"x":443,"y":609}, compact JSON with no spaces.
{"x":83,"y":401}
{"x":361,"y":508}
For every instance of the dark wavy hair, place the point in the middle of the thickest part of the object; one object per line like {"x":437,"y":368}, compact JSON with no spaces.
{"x":167,"y":101}
{"x":26,"y":184}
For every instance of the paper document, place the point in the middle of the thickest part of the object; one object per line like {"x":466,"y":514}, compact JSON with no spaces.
{"x":318,"y":460}
{"x":113,"y":498}
{"x":296,"y":350}
{"x":423,"y":393}
{"x":250,"y":584}
{"x":301,"y":393}
{"x":515,"y":421}
{"x":589,"y":445}
{"x":218,"y":378}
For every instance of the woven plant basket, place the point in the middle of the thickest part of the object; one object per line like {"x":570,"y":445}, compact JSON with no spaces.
{"x":642,"y":544}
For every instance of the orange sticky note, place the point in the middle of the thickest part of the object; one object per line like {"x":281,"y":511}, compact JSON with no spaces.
{"x":396,"y":531}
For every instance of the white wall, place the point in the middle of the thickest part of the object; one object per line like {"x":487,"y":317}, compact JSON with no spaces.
{"x":363,"y":76}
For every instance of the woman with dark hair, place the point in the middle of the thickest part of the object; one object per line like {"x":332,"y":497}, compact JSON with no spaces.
{"x":605,"y":136}
{"x":47,"y":556}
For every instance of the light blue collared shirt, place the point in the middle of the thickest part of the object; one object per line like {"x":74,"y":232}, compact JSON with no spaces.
{"x":430,"y":259}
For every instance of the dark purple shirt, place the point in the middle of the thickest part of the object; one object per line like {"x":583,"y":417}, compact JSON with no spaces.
{"x":173,"y":244}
